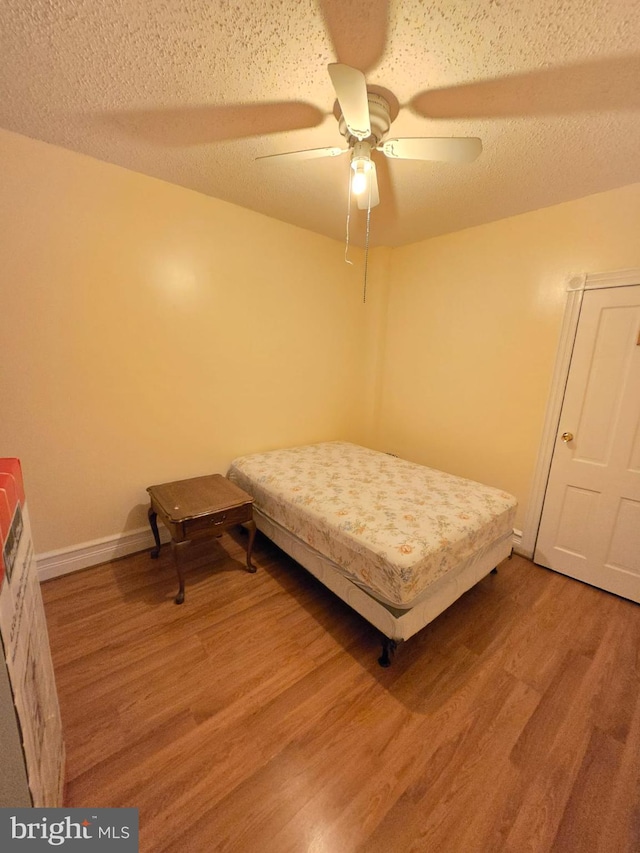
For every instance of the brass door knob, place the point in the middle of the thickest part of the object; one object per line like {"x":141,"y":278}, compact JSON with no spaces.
{"x":567,"y":436}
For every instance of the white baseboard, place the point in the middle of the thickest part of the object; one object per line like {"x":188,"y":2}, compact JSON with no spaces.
{"x":517,"y":543}
{"x":66,"y":560}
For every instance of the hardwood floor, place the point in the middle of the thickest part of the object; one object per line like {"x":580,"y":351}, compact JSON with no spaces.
{"x":255,"y":718}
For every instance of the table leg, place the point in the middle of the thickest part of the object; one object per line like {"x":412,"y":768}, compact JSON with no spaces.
{"x":251,"y":528}
{"x":153,"y":522}
{"x":176,"y":548}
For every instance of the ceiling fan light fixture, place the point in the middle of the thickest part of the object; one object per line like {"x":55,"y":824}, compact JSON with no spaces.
{"x":361,"y":165}
{"x":359,"y":181}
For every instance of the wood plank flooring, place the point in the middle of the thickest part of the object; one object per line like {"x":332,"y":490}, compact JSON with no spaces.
{"x":255,"y":718}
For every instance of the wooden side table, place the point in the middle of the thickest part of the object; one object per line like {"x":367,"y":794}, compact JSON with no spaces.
{"x":192,"y":509}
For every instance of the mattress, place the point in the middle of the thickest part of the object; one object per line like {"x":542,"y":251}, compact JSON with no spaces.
{"x":393,"y":526}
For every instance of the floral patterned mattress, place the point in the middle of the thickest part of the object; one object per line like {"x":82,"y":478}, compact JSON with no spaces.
{"x":394,"y":526}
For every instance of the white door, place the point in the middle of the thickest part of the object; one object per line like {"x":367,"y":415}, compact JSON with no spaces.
{"x":590,"y":526}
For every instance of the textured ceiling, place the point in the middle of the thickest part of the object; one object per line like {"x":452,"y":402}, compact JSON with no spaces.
{"x":192,"y":91}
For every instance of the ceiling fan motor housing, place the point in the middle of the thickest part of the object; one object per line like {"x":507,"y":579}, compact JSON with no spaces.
{"x":379,"y":119}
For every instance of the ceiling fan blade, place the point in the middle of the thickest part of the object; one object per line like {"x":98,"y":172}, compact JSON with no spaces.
{"x":358,"y":31}
{"x":351,"y":91}
{"x":307,"y":154}
{"x":448,"y":149}
{"x":206,"y":123}
{"x":363,"y":198}
{"x":608,"y":83}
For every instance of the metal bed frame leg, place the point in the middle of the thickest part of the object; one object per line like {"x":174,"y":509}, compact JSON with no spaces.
{"x":495,"y":570}
{"x":388,"y":648}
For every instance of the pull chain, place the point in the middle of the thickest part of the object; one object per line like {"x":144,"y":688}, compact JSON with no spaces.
{"x":366,"y":246}
{"x":346,"y":248}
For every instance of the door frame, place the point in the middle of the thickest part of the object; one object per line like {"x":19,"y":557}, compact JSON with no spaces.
{"x":576,"y":288}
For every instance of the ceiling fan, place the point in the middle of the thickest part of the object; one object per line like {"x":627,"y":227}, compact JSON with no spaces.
{"x":364,"y":121}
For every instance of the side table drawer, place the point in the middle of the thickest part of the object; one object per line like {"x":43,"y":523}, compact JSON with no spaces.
{"x":235,"y":515}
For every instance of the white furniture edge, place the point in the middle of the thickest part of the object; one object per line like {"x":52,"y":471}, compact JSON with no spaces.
{"x":576,"y":287}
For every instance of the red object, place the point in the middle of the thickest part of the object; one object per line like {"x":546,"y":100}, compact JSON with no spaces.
{"x":12,"y":466}
{"x":11,"y":494}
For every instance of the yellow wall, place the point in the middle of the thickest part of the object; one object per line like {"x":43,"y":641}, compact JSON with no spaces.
{"x":377,"y":300}
{"x":150,"y":333}
{"x":473,"y":322}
